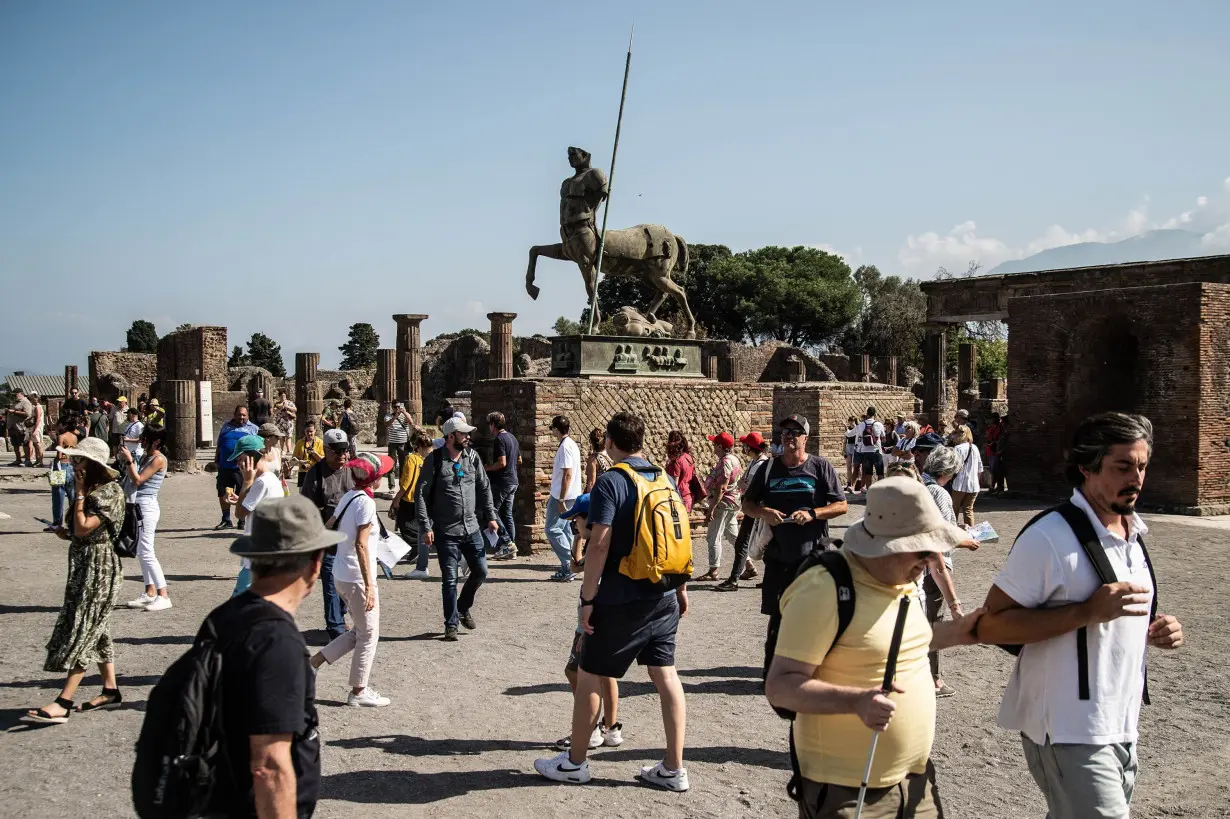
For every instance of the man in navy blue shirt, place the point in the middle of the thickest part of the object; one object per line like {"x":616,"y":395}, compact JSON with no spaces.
{"x":502,"y":472}
{"x":623,"y":619}
{"x":228,"y":473}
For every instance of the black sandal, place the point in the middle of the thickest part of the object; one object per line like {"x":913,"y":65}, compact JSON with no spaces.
{"x":113,"y":699}
{"x":42,"y":716}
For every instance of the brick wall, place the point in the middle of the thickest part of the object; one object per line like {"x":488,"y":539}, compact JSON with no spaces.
{"x":111,"y":371}
{"x":695,"y":408}
{"x":827,"y":405}
{"x":1134,"y":350}
{"x":1214,"y":455}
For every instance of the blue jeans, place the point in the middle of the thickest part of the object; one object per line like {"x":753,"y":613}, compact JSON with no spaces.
{"x":503,"y":500}
{"x":559,"y":534}
{"x":450,"y":551}
{"x":61,"y":494}
{"x":335,"y":623}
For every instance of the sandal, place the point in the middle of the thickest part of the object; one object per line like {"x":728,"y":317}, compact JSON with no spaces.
{"x":708,"y":577}
{"x":112,"y":698}
{"x":42,"y":716}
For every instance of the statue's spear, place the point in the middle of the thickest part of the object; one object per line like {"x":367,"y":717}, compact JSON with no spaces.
{"x":606,"y":211}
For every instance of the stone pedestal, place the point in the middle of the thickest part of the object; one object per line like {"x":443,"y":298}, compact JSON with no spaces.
{"x":410,"y":363}
{"x":70,"y":380}
{"x":385,"y":390}
{"x":501,"y":345}
{"x":309,"y":402}
{"x":181,"y":434}
{"x":967,"y":367}
{"x":587,"y":356}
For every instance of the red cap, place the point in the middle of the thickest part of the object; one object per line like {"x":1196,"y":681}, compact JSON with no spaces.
{"x":724,"y":439}
{"x":754,"y":440}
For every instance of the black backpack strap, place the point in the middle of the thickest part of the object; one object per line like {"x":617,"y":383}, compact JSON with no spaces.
{"x":1079,"y":523}
{"x":337,"y":519}
{"x":1152,"y":608}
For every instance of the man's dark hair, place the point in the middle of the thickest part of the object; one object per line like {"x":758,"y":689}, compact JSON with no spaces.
{"x":284,"y":564}
{"x":871,"y":412}
{"x":626,"y":431}
{"x":19,"y":391}
{"x":561,"y":423}
{"x":239,"y":407}
{"x":496,"y":419}
{"x":420,"y":439}
{"x":1097,"y":434}
{"x":347,"y":404}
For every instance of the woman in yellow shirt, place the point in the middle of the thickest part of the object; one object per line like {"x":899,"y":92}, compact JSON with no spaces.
{"x":402,"y":508}
{"x":308,"y":450}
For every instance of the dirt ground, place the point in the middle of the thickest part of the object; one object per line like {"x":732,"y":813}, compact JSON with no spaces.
{"x":469,"y":718}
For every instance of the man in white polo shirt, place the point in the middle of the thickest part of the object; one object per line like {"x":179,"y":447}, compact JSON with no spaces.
{"x":1076,"y":690}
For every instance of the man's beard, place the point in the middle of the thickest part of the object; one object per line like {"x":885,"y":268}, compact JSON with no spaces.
{"x":1123,"y":506}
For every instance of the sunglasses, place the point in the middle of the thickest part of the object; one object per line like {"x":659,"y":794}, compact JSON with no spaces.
{"x":791,"y":432}
{"x":458,"y":472}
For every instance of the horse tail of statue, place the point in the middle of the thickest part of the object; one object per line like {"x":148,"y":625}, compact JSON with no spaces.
{"x":682,"y":266}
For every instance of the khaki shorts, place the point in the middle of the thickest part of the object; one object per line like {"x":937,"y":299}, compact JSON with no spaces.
{"x":915,"y":797}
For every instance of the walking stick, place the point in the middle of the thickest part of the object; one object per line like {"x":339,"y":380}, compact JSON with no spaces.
{"x":886,"y":688}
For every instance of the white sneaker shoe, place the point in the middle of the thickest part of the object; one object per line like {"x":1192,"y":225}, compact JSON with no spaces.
{"x":614,"y":736}
{"x":560,"y":769}
{"x":159,"y":603}
{"x":595,"y":740}
{"x":417,"y":574}
{"x":659,"y":777}
{"x":142,"y":601}
{"x":370,"y":698}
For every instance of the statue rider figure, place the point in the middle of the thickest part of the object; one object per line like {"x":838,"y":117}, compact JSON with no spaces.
{"x":580,"y":196}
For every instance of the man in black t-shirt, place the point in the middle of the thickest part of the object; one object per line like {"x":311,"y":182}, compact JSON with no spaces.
{"x":262,"y":409}
{"x":502,"y":472}
{"x":799,"y":498}
{"x":269,"y":721}
{"x":324,"y":485}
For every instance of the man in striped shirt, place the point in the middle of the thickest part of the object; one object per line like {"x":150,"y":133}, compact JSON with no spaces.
{"x":397,"y":428}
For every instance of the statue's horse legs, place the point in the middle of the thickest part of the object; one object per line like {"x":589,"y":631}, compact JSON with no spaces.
{"x":555,"y":251}
{"x":658,"y":274}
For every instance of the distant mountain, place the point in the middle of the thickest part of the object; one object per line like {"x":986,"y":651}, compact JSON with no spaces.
{"x":1152,"y":246}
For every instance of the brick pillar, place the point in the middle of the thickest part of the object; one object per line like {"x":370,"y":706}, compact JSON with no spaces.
{"x":501,"y":345}
{"x":181,"y":434}
{"x":890,"y":370}
{"x":410,"y":363}
{"x":967,"y":367}
{"x":70,"y":380}
{"x":935,"y":354}
{"x":796,"y":369}
{"x":385,"y":390}
{"x":308,"y":401}
{"x":727,"y":368}
{"x":54,"y":407}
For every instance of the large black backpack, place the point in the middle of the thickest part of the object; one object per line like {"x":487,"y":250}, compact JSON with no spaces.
{"x":1079,"y":523}
{"x":181,"y":751}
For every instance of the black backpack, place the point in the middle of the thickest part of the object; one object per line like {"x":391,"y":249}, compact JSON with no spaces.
{"x":181,"y":751}
{"x":1079,"y":523}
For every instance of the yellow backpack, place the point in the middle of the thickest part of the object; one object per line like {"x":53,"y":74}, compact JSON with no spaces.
{"x":662,"y":534}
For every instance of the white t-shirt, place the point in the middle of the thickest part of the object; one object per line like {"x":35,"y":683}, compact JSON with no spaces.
{"x":134,"y":430}
{"x":568,"y":456}
{"x":1047,"y":568}
{"x":361,"y":511}
{"x":877,"y":435}
{"x":967,"y":479}
{"x":266,"y":485}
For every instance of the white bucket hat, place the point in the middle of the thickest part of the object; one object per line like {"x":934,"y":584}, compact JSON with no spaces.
{"x":901,"y":517}
{"x":95,"y":449}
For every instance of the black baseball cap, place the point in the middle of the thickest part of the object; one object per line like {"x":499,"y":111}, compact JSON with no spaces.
{"x":798,"y":420}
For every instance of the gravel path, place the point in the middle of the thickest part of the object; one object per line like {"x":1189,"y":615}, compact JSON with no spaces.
{"x":469,"y":718}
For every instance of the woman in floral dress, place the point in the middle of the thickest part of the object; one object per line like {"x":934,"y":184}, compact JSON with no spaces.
{"x":81,"y":636}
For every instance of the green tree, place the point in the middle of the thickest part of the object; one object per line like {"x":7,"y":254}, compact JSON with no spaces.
{"x":565,"y":326}
{"x":142,"y":337}
{"x":238,"y":357}
{"x":892,"y":317}
{"x":708,"y":308}
{"x":263,"y":352}
{"x":359,"y":352}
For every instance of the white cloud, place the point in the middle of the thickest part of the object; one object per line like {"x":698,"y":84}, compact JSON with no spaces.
{"x":853,"y":259}
{"x":475,"y":308}
{"x":927,"y":251}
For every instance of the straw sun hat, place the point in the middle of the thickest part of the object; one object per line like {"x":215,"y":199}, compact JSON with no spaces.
{"x":94,"y":449}
{"x":901,"y":518}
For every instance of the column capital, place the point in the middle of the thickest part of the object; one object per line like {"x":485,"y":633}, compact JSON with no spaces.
{"x":503,"y":317}
{"x":409,"y":318}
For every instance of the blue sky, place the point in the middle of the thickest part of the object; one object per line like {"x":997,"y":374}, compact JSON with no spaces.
{"x":293,"y":167}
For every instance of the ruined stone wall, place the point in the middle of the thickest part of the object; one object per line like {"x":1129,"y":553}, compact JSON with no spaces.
{"x":826,"y":406}
{"x":111,"y":372}
{"x":1135,"y":350}
{"x":1214,"y":457}
{"x":697,"y":408}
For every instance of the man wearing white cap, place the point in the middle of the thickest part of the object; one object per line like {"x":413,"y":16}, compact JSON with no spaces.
{"x":833,"y":680}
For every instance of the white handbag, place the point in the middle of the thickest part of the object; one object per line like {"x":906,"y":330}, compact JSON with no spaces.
{"x":388,"y":546}
{"x":762,"y":532}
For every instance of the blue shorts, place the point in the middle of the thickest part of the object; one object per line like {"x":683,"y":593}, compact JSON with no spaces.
{"x":643,"y":631}
{"x":871,"y":461}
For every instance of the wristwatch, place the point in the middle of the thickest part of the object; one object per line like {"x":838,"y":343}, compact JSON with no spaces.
{"x":585,"y":602}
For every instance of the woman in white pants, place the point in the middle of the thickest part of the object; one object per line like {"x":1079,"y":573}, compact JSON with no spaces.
{"x":354,"y":575}
{"x":142,"y":482}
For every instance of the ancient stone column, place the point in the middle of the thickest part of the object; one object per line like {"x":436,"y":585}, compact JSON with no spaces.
{"x":181,"y":427}
{"x":308,"y":400}
{"x":70,"y":380}
{"x":967,"y":367}
{"x":864,"y":368}
{"x":888,"y":370}
{"x":259,"y":383}
{"x":796,"y":368}
{"x":935,"y":353}
{"x":385,"y":390}
{"x":710,"y":365}
{"x":410,"y":363}
{"x":501,"y":345}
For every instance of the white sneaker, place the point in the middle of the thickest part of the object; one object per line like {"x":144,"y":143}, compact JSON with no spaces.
{"x":370,"y":698}
{"x":595,"y":740}
{"x":417,"y":574}
{"x":560,"y":769}
{"x":159,"y":603}
{"x":142,"y":601}
{"x":659,"y":777}
{"x":614,"y":736}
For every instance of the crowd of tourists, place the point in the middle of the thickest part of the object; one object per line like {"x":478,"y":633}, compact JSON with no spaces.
{"x":853,"y":630}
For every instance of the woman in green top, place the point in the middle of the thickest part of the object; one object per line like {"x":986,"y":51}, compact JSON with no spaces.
{"x":81,"y":636}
